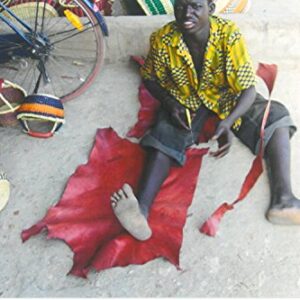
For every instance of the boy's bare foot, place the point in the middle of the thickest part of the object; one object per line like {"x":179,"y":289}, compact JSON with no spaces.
{"x":127,"y":210}
{"x":286,"y":213}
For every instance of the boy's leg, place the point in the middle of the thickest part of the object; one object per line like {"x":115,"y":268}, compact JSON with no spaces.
{"x":166,"y":145}
{"x":155,"y":172}
{"x":132,"y":211}
{"x":284,"y":207}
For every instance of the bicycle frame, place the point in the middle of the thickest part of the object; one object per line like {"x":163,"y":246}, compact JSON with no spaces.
{"x":12,"y":26}
{"x":92,"y":7}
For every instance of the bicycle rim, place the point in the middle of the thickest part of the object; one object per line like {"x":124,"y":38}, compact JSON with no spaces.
{"x":76,"y":42}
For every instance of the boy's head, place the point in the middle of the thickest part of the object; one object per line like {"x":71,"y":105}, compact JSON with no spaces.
{"x":193,"y":15}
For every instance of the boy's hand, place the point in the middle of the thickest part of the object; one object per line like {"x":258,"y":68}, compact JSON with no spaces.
{"x":177,"y":113}
{"x":224,"y":137}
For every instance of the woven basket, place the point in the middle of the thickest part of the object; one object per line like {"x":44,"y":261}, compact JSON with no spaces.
{"x":232,"y":6}
{"x":11,"y":97}
{"x":157,"y":7}
{"x":28,"y":10}
{"x":161,"y":7}
{"x":5,"y":2}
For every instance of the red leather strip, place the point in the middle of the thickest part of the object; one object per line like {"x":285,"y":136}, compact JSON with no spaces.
{"x":268,"y":73}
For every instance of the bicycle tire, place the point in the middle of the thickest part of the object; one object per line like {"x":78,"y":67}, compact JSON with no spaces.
{"x":75,"y":58}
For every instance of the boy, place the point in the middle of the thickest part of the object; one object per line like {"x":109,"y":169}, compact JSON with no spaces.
{"x":199,"y":65}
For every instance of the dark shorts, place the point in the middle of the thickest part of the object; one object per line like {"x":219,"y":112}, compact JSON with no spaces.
{"x":173,"y":141}
{"x":249,"y":132}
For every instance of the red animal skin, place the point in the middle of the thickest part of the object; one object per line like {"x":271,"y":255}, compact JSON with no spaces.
{"x":84,"y":219}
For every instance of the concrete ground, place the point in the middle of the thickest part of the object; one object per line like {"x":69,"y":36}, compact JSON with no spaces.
{"x":249,"y":257}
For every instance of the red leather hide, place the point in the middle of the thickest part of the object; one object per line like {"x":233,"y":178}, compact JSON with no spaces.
{"x":84,"y":219}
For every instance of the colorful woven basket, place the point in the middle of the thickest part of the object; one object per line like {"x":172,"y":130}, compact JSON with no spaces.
{"x":11,"y":97}
{"x":157,"y":7}
{"x":161,"y":7}
{"x":232,"y":6}
{"x":41,"y":108}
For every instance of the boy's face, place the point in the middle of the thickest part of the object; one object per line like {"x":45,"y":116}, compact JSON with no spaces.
{"x":193,"y":15}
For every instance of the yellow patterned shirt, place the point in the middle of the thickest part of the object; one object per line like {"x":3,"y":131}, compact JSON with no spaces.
{"x":227,"y":68}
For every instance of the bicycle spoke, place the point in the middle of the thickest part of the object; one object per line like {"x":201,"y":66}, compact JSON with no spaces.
{"x":72,"y":30}
{"x":35,"y":80}
{"x":26,"y":77}
{"x":36,"y":16}
{"x":75,"y":49}
{"x":43,"y":18}
{"x":58,"y":75}
{"x":71,"y":36}
{"x":8,"y":48}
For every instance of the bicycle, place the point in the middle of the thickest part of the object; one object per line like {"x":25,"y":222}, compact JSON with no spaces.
{"x":51,"y":46}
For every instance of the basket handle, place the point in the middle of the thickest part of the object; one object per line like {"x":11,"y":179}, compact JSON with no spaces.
{"x":6,"y":102}
{"x":43,"y":135}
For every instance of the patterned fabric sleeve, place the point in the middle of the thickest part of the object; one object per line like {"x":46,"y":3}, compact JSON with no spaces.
{"x":154,"y":67}
{"x":239,"y":68}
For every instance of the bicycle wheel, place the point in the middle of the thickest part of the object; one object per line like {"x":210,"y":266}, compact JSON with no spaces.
{"x":68,"y":47}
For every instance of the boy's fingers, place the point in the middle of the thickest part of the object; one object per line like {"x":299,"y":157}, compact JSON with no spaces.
{"x":183,"y":124}
{"x":223,"y":154}
{"x":180,"y":121}
{"x":221,"y":151}
{"x":218,"y":134}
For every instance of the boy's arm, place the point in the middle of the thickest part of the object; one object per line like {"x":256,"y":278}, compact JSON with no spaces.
{"x":168,"y":102}
{"x":155,"y":69}
{"x":223,"y":133}
{"x":244,"y":102}
{"x":240,"y":76}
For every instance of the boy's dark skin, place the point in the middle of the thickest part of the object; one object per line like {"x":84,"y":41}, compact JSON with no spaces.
{"x":192,"y":18}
